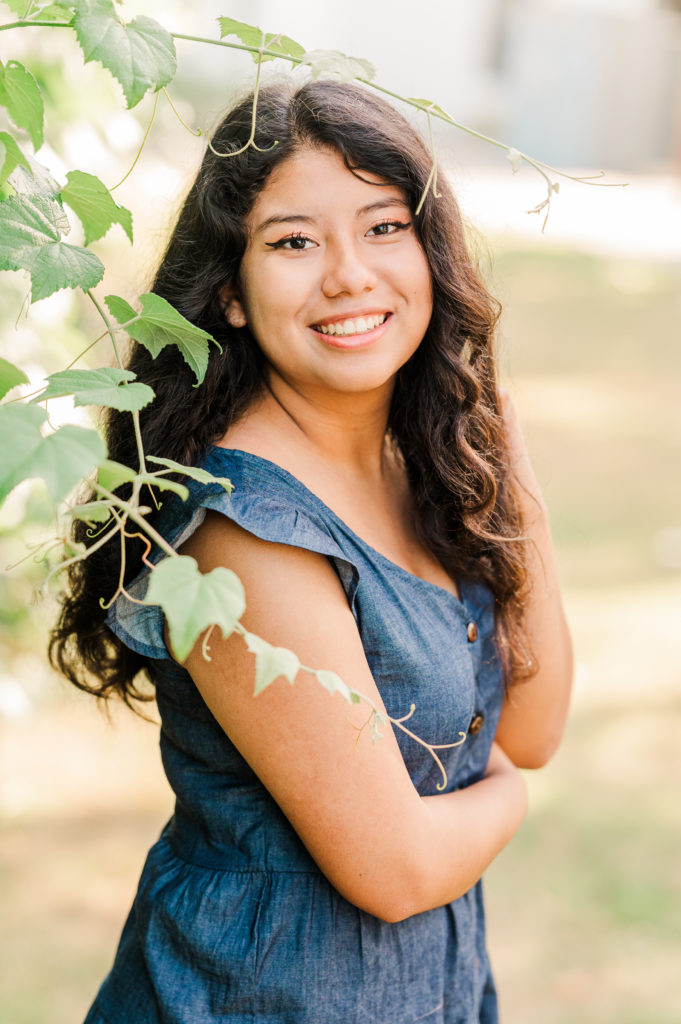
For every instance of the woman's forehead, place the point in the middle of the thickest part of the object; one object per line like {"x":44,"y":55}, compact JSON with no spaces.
{"x":312,"y":179}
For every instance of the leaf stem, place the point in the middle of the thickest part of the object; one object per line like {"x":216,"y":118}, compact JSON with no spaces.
{"x":109,"y":327}
{"x":135,"y":415}
{"x":196,"y":132}
{"x":133,"y":513}
{"x":251,"y":138}
{"x":142,"y":145}
{"x":104,"y":539}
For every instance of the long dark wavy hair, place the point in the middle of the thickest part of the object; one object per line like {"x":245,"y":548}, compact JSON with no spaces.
{"x":444,"y":417}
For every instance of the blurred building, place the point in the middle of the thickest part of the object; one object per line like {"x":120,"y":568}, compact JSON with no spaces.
{"x":594,"y":84}
{"x":589,"y":83}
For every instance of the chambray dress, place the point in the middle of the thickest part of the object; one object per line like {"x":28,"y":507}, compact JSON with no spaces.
{"x":232,"y":920}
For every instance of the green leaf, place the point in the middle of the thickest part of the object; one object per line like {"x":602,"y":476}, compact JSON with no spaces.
{"x":18,"y":7}
{"x":111,"y":475}
{"x":123,"y":312}
{"x":192,"y":601}
{"x":428,"y":105}
{"x":60,"y":14}
{"x":158,"y":325}
{"x":250,"y":35}
{"x":92,"y":511}
{"x":61,"y":459}
{"x":202,"y":475}
{"x":10,"y":376}
{"x":30,"y":240}
{"x":334,"y":684}
{"x":36,"y":182}
{"x":94,"y":205}
{"x":333,"y":62}
{"x":10,"y":156}
{"x":164,"y":484}
{"x":38,"y":11}
{"x":20,"y":94}
{"x":105,"y":386}
{"x":270,"y":662}
{"x":140,"y":54}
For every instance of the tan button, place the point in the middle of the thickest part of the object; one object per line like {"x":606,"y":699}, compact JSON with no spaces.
{"x":477,"y":722}
{"x":472,"y":632}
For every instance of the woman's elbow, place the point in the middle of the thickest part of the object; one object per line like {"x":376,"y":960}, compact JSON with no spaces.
{"x":534,"y":753}
{"x":391,"y":894}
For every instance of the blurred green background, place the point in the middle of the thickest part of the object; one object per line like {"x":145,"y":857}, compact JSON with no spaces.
{"x":585,"y":905}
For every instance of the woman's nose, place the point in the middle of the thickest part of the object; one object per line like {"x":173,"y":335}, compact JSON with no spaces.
{"x":347,"y":270}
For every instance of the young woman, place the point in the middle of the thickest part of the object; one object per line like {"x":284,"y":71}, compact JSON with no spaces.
{"x":386,"y":524}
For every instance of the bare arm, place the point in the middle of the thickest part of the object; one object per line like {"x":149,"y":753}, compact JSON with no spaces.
{"x":385,"y":848}
{"x":534,"y":712}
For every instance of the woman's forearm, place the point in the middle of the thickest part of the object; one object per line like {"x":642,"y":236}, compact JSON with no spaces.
{"x":459,"y":834}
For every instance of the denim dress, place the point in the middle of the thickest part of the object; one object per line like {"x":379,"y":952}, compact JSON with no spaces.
{"x":233,"y":920}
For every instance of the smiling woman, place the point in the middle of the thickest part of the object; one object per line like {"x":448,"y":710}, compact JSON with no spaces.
{"x":387,"y":525}
{"x":345,"y":276}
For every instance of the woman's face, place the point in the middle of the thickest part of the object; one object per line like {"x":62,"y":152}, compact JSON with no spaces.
{"x":334,"y":284}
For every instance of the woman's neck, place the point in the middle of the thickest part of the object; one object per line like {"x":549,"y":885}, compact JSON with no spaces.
{"x":347,"y":431}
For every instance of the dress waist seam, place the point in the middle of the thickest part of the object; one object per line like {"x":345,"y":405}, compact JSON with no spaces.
{"x":214,"y":862}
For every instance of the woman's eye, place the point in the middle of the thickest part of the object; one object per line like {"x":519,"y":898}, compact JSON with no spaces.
{"x":388,"y":227}
{"x":294,"y":243}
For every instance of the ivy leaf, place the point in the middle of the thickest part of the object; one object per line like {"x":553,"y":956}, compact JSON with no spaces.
{"x":270,"y":662}
{"x":194,"y":472}
{"x":32,"y":11}
{"x":20,"y":94}
{"x":91,"y":511}
{"x":10,"y":156}
{"x":30,"y":240}
{"x":60,"y":14}
{"x":333,"y":62}
{"x":18,"y":7}
{"x":111,"y":475}
{"x":61,"y":459}
{"x":36,"y":182}
{"x":433,"y":108}
{"x":10,"y":376}
{"x":334,"y":684}
{"x":104,"y":386}
{"x":192,"y":601}
{"x":158,"y":325}
{"x":140,"y":54}
{"x":164,"y":484}
{"x":252,"y":36}
{"x":94,"y":205}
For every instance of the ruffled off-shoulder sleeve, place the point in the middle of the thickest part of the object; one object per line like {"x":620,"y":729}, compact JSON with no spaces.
{"x":266,"y":501}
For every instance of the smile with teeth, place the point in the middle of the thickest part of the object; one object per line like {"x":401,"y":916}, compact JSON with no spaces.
{"x":360,"y":325}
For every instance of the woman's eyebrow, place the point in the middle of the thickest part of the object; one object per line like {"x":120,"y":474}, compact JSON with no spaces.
{"x":288,"y":218}
{"x":291,"y":218}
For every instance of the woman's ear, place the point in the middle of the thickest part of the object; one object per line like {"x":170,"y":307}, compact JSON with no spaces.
{"x":231,"y":306}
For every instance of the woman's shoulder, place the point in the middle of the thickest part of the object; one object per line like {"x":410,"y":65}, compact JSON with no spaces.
{"x":256,"y":494}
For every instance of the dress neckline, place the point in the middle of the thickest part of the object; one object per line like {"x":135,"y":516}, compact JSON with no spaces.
{"x":285,"y":474}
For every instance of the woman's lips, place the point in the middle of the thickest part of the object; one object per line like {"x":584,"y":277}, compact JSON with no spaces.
{"x":353,"y":332}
